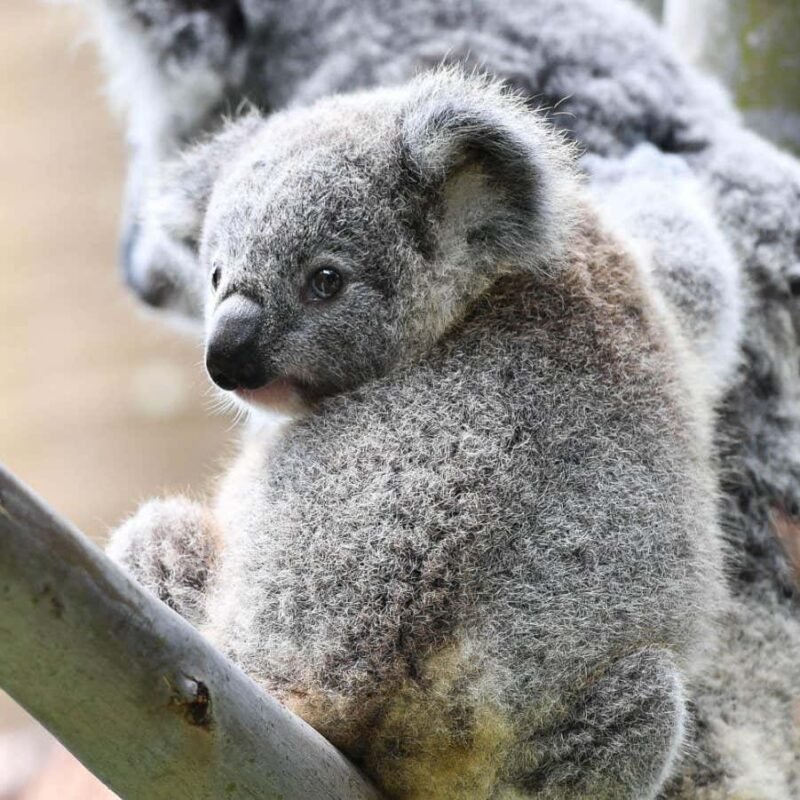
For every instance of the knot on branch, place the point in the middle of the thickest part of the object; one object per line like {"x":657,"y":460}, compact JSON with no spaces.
{"x":193,"y":699}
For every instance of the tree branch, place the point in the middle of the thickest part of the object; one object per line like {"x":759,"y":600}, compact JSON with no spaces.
{"x":131,"y":688}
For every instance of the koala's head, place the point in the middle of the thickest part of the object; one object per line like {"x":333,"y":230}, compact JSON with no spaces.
{"x":336,"y":242}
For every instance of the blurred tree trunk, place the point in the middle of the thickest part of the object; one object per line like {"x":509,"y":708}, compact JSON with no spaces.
{"x":754,"y":47}
{"x":655,"y":7}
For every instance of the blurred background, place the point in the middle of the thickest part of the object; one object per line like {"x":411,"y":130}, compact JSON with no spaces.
{"x":101,"y":407}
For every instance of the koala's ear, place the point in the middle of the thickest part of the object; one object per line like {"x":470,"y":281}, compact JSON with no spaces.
{"x":490,"y":164}
{"x":179,"y":198}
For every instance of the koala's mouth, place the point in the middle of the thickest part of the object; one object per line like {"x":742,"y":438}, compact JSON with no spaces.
{"x":281,"y":395}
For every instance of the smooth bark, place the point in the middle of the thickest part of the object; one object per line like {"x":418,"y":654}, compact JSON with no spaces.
{"x":136,"y":693}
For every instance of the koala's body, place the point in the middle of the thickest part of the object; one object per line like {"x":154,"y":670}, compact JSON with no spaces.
{"x":483,"y":556}
{"x":659,"y":207}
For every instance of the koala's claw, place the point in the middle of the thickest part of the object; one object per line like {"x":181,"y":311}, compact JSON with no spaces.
{"x":170,"y":548}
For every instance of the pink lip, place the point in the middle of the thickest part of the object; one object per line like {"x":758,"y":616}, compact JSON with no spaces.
{"x":280,"y":395}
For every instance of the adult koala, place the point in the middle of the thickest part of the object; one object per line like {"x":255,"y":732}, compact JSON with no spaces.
{"x":179,"y":68}
{"x":494,"y":507}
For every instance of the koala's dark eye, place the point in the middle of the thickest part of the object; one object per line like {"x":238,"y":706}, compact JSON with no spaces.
{"x":215,"y":276}
{"x":325,"y":283}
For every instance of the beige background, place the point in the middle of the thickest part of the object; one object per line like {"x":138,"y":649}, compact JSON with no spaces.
{"x":100,"y":406}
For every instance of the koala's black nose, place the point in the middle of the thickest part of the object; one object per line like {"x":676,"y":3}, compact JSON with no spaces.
{"x":154,"y":289}
{"x":150,"y":284}
{"x":232,"y":351}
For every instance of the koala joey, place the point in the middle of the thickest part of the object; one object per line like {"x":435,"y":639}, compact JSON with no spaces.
{"x":480,"y":553}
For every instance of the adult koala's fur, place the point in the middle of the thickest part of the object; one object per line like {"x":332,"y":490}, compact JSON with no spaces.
{"x":179,"y":68}
{"x":484,"y":560}
{"x":663,"y":212}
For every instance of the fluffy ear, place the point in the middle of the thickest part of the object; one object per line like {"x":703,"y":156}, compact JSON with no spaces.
{"x":500,"y":178}
{"x":161,"y":259}
{"x":180,"y":195}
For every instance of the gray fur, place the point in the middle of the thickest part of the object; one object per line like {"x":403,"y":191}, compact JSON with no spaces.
{"x":171,"y":546}
{"x":431,"y":539}
{"x":654,"y":200}
{"x":175,"y":82}
{"x":618,"y":84}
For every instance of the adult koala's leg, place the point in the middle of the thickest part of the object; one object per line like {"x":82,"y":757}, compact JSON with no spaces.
{"x":620,"y":739}
{"x":171,"y":548}
{"x":662,"y":209}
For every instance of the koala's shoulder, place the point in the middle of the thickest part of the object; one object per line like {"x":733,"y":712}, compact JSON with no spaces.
{"x":600,"y":283}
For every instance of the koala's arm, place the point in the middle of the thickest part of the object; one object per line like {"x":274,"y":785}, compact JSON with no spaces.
{"x":171,"y":547}
{"x":657,"y":204}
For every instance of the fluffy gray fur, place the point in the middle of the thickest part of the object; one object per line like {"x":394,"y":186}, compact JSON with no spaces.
{"x":619,"y":84}
{"x":179,"y":68}
{"x":654,"y":200}
{"x":496,"y":512}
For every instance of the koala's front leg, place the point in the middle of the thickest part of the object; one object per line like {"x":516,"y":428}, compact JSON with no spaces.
{"x":620,"y":741}
{"x":170,"y":547}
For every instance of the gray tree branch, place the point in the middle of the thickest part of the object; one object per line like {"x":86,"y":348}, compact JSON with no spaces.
{"x":136,"y":693}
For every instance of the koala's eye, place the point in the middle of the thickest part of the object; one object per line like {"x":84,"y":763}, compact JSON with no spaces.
{"x":215,"y":276}
{"x":325,"y":283}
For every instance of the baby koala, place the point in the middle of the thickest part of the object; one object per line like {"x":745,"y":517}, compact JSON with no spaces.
{"x":480,"y":555}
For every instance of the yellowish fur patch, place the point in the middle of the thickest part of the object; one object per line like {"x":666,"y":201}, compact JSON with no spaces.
{"x":433,"y":737}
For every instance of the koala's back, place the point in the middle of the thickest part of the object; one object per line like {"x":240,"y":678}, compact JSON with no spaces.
{"x":482,"y":534}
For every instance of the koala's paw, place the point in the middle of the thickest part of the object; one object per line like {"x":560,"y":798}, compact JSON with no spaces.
{"x":621,"y":740}
{"x":170,"y":547}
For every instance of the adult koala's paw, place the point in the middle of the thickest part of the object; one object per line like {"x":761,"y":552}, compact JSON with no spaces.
{"x":170,"y":547}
